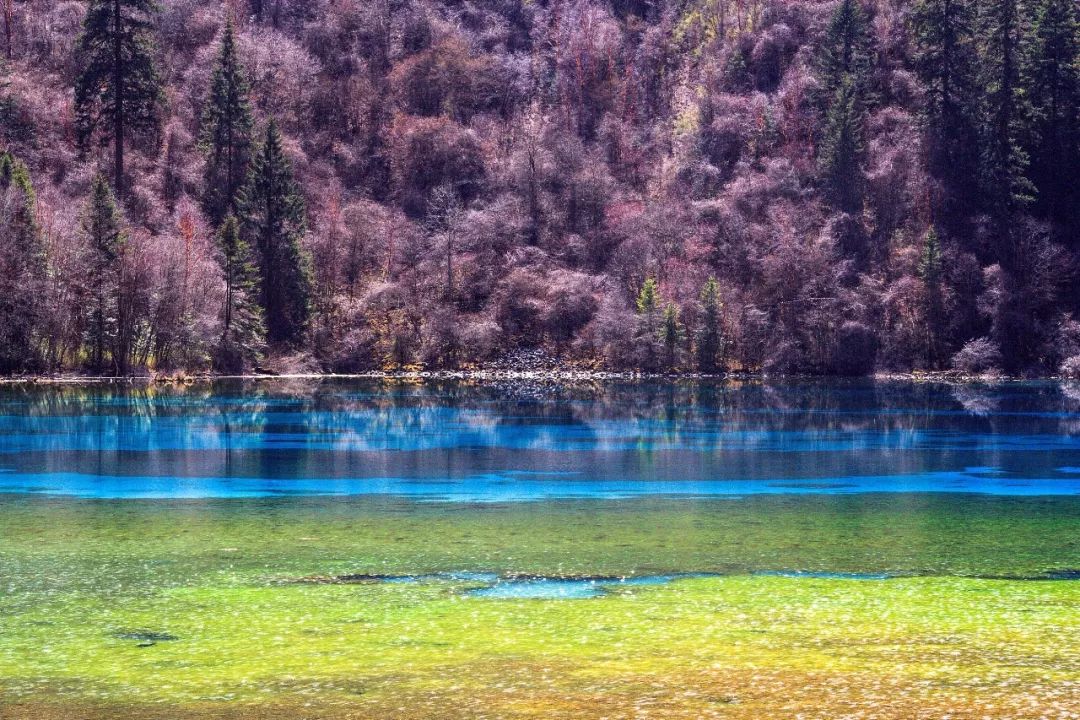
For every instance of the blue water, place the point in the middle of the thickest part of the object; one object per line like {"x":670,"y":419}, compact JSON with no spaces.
{"x":541,"y":589}
{"x":447,"y":442}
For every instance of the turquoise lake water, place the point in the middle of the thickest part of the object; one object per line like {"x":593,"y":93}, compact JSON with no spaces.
{"x":528,"y":442}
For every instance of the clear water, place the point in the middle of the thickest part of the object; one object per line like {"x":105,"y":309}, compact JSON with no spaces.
{"x":340,"y":548}
{"x":541,"y":589}
{"x":468,"y":443}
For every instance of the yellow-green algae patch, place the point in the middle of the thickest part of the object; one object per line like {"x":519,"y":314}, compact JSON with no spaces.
{"x":720,"y":646}
{"x":190,"y":610}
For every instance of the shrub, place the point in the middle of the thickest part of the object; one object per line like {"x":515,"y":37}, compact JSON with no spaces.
{"x":1071,"y":368}
{"x":978,"y":356}
{"x":430,"y":152}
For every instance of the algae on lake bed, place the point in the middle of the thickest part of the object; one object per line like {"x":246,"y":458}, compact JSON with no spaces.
{"x":114,"y":609}
{"x":729,"y":647}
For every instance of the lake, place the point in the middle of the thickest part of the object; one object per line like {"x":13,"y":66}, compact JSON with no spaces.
{"x":339,"y":548}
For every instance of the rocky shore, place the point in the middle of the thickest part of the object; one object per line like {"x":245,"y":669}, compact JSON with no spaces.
{"x":532,"y":365}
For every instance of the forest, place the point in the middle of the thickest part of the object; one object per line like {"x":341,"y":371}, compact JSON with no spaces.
{"x":779,"y":186}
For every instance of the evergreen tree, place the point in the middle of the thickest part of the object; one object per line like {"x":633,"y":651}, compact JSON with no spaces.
{"x":648,"y":299}
{"x":710,"y":339}
{"x":1005,"y":185}
{"x":671,"y":335}
{"x":22,"y":268}
{"x":273,"y":217}
{"x":225,"y":131}
{"x":840,"y":153}
{"x":118,"y":89}
{"x":946,"y":60}
{"x":843,"y":70}
{"x":1055,"y":92}
{"x":244,"y":331}
{"x":647,"y":333}
{"x":8,"y":107}
{"x":22,"y":235}
{"x":930,"y":259}
{"x":846,"y":50}
{"x":103,"y":225}
{"x":930,"y":270}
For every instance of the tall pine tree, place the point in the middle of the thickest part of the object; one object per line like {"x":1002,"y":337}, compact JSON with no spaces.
{"x":244,"y":331}
{"x":118,"y":90}
{"x":1007,"y":112}
{"x":22,"y":269}
{"x":710,"y":339}
{"x":103,"y":226}
{"x":946,"y":60}
{"x":840,"y":152}
{"x":1055,"y":93}
{"x":847,"y":50}
{"x":225,"y":132}
{"x":647,"y":332}
{"x":273,"y":216}
{"x":844,"y":66}
{"x":930,"y":272}
{"x":671,"y":336}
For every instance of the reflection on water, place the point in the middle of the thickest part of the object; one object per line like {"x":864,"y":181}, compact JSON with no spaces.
{"x":475,"y":442}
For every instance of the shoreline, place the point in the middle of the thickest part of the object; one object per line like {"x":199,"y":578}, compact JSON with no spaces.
{"x":501,"y":375}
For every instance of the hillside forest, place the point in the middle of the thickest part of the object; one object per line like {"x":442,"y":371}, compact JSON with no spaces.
{"x":784,"y":186}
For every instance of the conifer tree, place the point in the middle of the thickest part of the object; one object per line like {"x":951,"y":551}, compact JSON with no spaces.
{"x":22,"y":268}
{"x":648,"y":299}
{"x":710,"y":338}
{"x":946,"y":60}
{"x":671,"y":335}
{"x":22,"y":234}
{"x":647,"y":332}
{"x":273,"y":217}
{"x":1005,"y":184}
{"x":119,"y":90}
{"x":841,"y":149}
{"x":244,"y":332}
{"x":930,"y":270}
{"x":103,"y":226}
{"x":846,"y":51}
{"x":930,"y":259}
{"x":8,"y":106}
{"x":843,"y":69}
{"x":1055,"y":92}
{"x":225,"y":131}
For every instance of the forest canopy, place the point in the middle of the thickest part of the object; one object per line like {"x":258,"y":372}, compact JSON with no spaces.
{"x":834,"y":187}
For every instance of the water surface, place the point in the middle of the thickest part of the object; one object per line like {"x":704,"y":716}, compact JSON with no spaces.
{"x":477,"y":443}
{"x":339,"y":548}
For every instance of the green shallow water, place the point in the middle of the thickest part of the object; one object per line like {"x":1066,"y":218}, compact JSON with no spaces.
{"x":97,"y":546}
{"x":190,"y":609}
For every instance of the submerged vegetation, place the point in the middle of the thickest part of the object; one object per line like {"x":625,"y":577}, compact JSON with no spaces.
{"x":820,"y":187}
{"x":185,"y":608}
